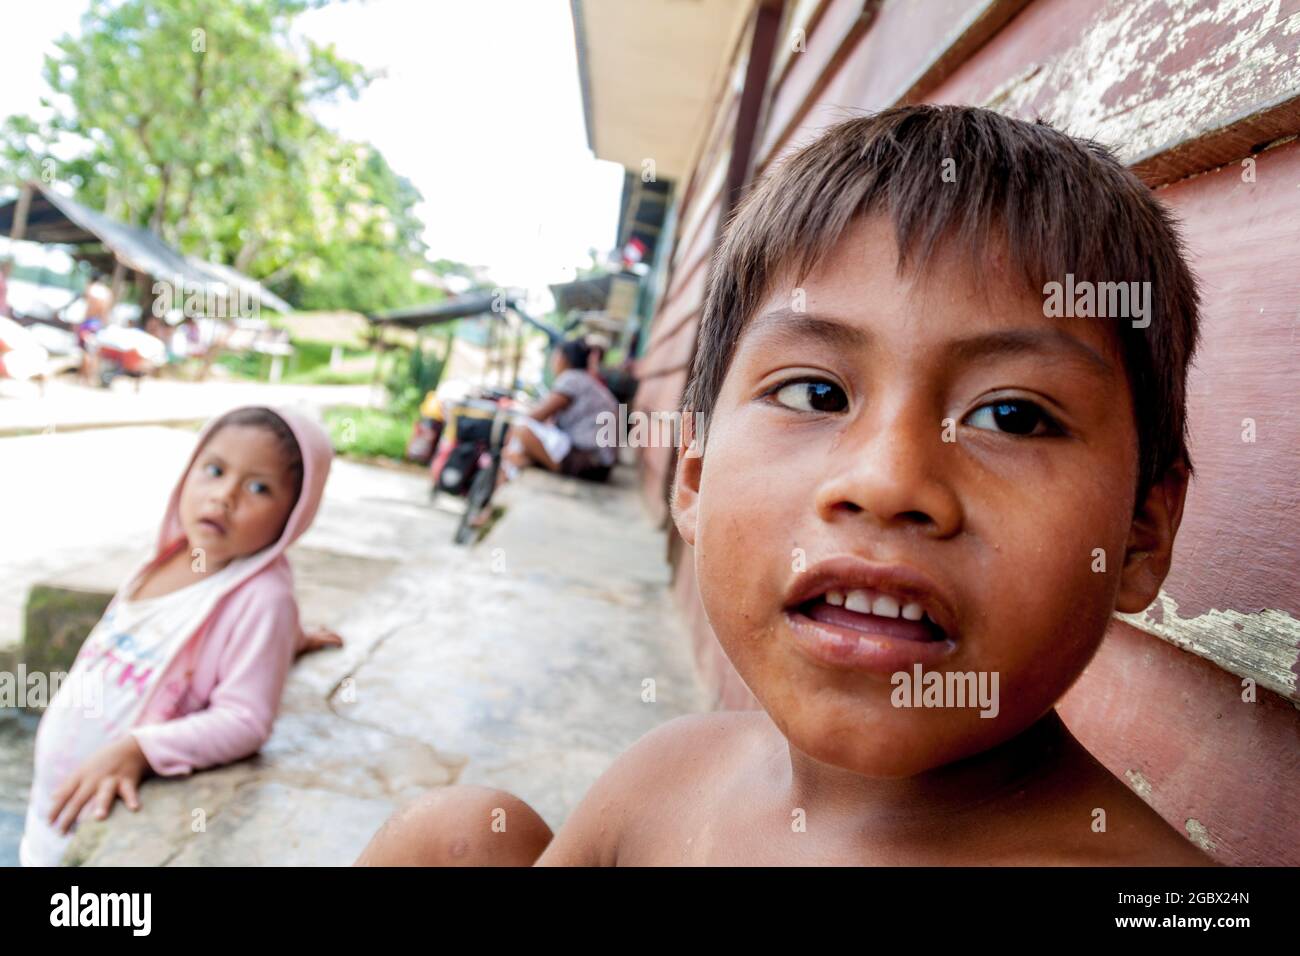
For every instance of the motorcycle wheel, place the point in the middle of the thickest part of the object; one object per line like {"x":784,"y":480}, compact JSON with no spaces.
{"x":480,"y":494}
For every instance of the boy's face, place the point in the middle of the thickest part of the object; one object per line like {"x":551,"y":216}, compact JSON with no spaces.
{"x":237,"y":494}
{"x":889,"y":448}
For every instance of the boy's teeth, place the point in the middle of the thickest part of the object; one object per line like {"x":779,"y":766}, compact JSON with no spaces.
{"x":884,"y":606}
{"x":859,"y":601}
{"x":881,"y":605}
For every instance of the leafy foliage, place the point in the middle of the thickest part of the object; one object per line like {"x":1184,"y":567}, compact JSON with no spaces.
{"x":369,"y":432}
{"x":418,"y":371}
{"x":193,"y":117}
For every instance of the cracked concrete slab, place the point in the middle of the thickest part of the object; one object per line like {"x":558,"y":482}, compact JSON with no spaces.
{"x":555,"y":648}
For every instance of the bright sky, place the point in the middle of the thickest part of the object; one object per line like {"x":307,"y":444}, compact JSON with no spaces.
{"x":480,"y":108}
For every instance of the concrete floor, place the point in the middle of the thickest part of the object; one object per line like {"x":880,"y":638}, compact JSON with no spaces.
{"x":519,"y":663}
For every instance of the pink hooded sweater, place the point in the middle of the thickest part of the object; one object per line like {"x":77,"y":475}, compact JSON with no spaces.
{"x":219,"y":696}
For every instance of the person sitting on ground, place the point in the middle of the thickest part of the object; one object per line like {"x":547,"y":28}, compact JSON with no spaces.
{"x":560,"y":433}
{"x":910,"y":465}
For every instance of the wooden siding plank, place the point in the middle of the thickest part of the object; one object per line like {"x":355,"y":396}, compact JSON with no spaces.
{"x":1175,"y":86}
{"x":802,"y":17}
{"x":1232,"y":594}
{"x":907,"y":46}
{"x":974,"y":26}
{"x":672,"y":356}
{"x":687,"y":296}
{"x":843,"y":25}
{"x":1221,"y":770}
{"x":684,"y":311}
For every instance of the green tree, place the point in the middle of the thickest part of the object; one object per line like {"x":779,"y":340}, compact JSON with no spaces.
{"x":193,"y":117}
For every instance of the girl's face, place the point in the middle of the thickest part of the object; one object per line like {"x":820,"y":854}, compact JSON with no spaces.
{"x":237,"y":495}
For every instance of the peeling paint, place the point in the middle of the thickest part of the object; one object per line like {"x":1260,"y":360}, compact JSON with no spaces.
{"x":1149,"y":74}
{"x":1139,"y":784}
{"x":1264,"y":646}
{"x":1197,"y":833}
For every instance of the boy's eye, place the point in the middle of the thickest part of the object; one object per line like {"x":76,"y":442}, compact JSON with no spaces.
{"x":259,"y":488}
{"x":812,"y":396}
{"x":214,"y":471}
{"x":1013,"y":416}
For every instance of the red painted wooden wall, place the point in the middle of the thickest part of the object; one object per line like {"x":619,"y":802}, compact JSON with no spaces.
{"x":1185,"y":91}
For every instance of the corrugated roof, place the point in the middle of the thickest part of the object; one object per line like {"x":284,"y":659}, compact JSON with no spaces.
{"x":57,"y":219}
{"x":460,"y":307}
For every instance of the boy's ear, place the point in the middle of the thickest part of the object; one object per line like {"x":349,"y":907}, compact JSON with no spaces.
{"x":686,"y":481}
{"x":1149,"y":550}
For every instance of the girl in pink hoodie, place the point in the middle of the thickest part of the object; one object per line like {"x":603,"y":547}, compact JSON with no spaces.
{"x":186,"y":667}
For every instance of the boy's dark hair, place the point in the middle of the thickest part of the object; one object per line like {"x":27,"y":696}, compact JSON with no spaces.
{"x":575,"y":352}
{"x":1057,"y":204}
{"x":258,"y":417}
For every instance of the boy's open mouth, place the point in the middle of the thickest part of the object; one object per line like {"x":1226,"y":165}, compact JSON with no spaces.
{"x":861,"y":609}
{"x":854,"y":614}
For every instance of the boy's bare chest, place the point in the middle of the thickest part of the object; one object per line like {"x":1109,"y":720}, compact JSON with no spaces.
{"x":739,"y":822}
{"x":774,"y":838}
{"x":743,"y":822}
{"x":768,"y":839}
{"x":726,"y":834}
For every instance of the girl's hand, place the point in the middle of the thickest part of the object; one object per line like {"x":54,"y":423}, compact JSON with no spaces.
{"x":114,"y":770}
{"x":318,"y":638}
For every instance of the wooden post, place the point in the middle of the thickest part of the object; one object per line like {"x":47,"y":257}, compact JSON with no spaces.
{"x":18,"y":229}
{"x":119,"y":280}
{"x":377,"y":342}
{"x":490,"y":359}
{"x":144,"y":296}
{"x":519,"y":356}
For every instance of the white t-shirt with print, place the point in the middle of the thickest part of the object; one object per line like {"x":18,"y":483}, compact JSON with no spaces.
{"x":102,"y":696}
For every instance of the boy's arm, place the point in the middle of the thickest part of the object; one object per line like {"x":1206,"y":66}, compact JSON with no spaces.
{"x":622,"y":801}
{"x":252,"y":671}
{"x":589,"y":837}
{"x":459,"y":826}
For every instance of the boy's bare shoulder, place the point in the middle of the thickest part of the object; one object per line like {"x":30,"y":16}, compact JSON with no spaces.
{"x":661,"y":781}
{"x":683,"y":751}
{"x":696,"y":736}
{"x":1103,"y":822}
{"x":1139,"y":836}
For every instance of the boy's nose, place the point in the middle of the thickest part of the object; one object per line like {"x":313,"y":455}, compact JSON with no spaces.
{"x":896,"y":470}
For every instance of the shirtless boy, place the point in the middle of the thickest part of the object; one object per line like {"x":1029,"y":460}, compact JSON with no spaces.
{"x":914,"y":462}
